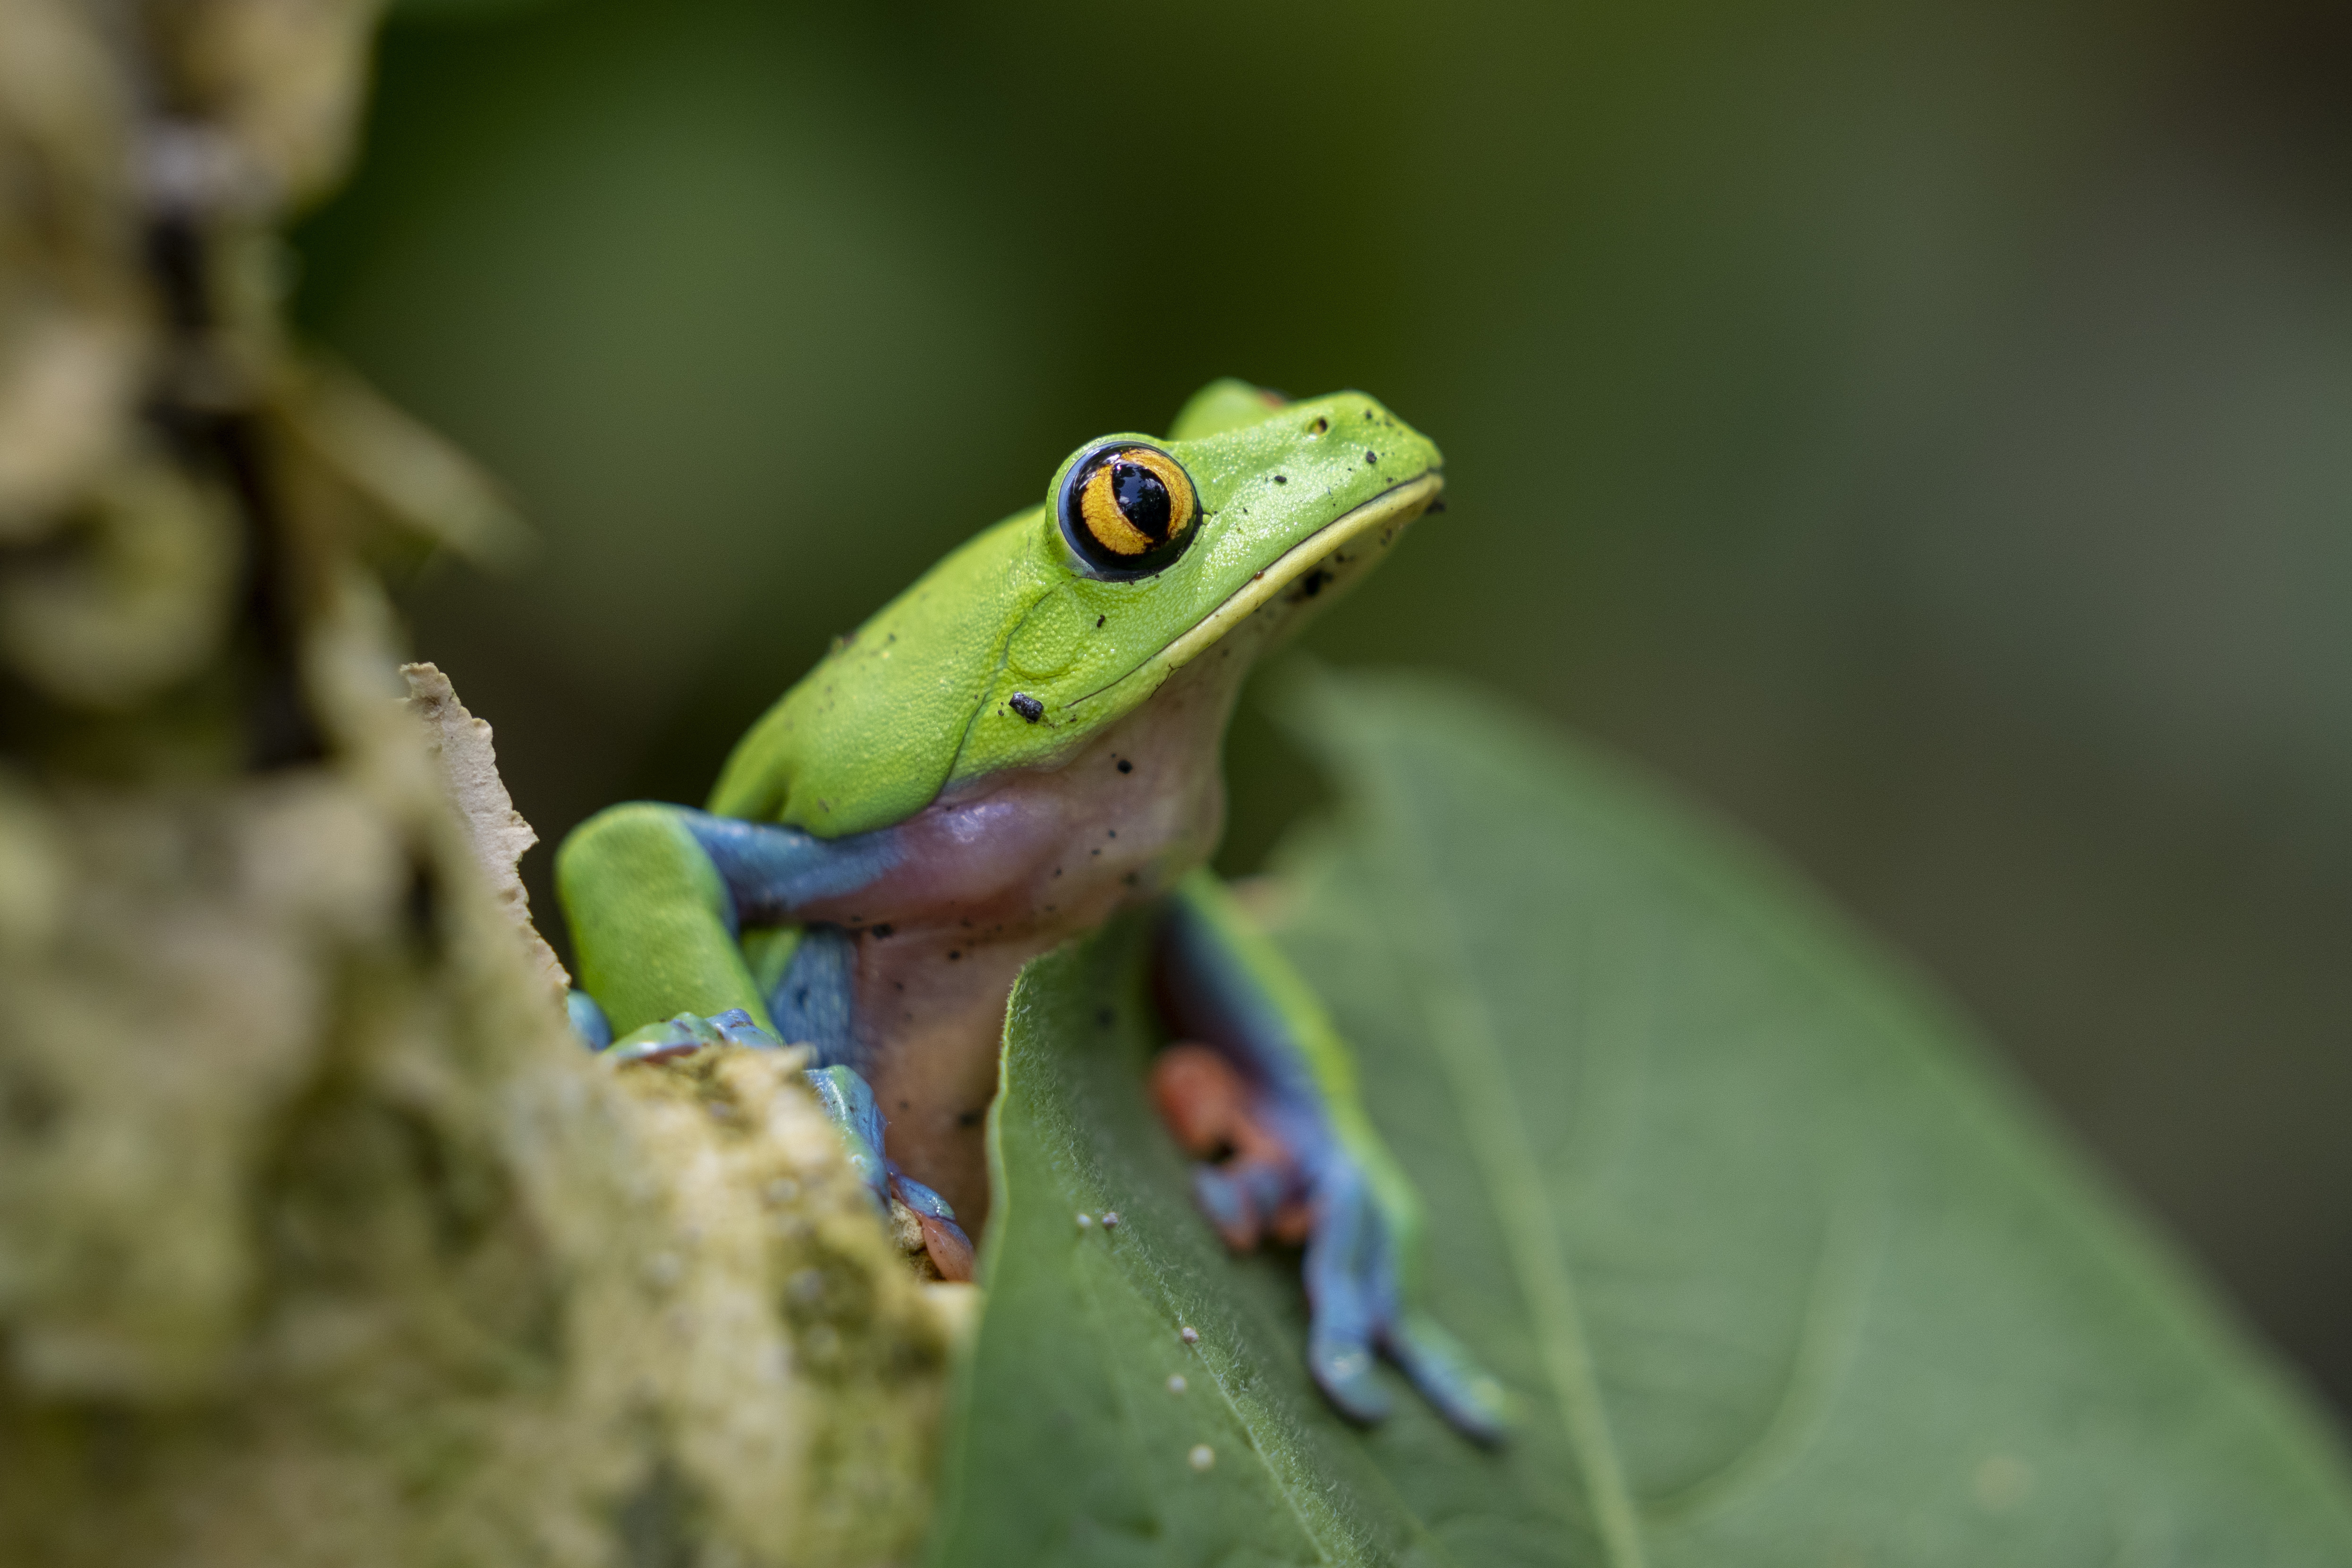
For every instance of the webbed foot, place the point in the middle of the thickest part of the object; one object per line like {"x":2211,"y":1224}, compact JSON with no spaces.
{"x":1273,"y":1171}
{"x":689,"y":1032}
{"x":677,"y":1036}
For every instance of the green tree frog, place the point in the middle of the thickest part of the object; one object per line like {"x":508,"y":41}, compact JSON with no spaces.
{"x":1022,"y":744}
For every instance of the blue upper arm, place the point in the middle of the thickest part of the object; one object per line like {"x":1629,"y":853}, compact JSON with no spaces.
{"x":772,"y":872}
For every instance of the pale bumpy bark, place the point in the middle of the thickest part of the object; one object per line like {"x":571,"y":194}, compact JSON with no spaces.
{"x":321,"y":1239}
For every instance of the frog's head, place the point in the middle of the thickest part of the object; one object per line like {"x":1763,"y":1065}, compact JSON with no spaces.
{"x":1253,"y":512}
{"x":1058,"y":621}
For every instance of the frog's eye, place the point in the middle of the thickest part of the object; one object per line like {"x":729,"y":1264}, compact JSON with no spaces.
{"x":1127,"y":511}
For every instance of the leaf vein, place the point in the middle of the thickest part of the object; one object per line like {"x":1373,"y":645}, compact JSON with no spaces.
{"x":1833,"y":1309}
{"x":1464,"y":1036}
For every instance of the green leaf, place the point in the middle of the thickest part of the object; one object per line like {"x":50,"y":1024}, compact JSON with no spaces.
{"x":1782,"y":1268}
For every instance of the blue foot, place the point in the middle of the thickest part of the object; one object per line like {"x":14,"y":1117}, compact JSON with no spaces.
{"x":1357,"y":1308}
{"x":1274,"y":1168}
{"x":1463,"y":1392}
{"x":588,"y":1021}
{"x":1350,"y":1291}
{"x":849,"y":1103}
{"x":689,"y":1032}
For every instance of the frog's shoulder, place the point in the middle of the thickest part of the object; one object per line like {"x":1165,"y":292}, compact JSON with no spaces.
{"x":867,"y":737}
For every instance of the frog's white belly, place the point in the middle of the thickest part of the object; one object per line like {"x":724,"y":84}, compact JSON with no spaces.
{"x":1002,"y":873}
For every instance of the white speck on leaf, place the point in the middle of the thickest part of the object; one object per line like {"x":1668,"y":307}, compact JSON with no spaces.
{"x":2002,"y":1483}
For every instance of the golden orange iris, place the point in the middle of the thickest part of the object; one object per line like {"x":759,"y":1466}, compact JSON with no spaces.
{"x":1133,"y":506}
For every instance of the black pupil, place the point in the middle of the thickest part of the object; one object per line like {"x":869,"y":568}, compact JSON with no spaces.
{"x":1143,"y":500}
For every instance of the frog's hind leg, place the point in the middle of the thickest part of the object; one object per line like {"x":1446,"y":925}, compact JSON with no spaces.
{"x":1267,"y":1096}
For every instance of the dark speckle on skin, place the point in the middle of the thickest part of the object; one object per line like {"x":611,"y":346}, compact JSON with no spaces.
{"x":953,"y":953}
{"x":1099,"y":621}
{"x":1027,"y":706}
{"x":972,"y":1118}
{"x":1374,"y":457}
{"x":1103,"y":1017}
{"x":1111,"y":831}
{"x":883,"y":930}
{"x":1281,"y":479}
{"x":1125,"y":766}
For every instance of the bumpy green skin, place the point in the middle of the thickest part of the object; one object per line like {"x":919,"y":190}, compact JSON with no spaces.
{"x":918,"y":698}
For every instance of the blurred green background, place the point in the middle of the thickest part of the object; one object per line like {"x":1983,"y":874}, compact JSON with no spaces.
{"x":1923,"y":432}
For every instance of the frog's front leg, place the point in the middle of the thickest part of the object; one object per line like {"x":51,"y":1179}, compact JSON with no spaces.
{"x":1269,"y":1096}
{"x":656,"y":897}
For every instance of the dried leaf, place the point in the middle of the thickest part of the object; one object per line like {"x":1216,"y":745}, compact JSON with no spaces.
{"x":460,"y":744}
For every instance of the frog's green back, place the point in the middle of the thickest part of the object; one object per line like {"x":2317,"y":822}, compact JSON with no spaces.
{"x":867,"y":737}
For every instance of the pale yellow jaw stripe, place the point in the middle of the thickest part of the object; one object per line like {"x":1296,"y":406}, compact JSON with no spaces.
{"x":1401,"y":505}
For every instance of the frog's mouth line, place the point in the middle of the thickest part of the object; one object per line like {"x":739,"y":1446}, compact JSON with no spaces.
{"x":1392,"y":506}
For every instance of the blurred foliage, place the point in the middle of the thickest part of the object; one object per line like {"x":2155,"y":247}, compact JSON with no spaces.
{"x":1919,"y":429}
{"x":1779,"y":1274}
